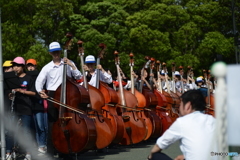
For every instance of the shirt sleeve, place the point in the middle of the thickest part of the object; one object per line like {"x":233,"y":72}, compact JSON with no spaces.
{"x":41,"y":80}
{"x":105,"y":77}
{"x":170,"y":136}
{"x":76,"y":74}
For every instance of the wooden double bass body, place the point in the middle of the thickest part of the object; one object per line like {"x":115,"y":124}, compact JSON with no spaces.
{"x":151,"y":100}
{"x":210,"y":105}
{"x":74,"y":132}
{"x":144,"y":113}
{"x":103,"y":125}
{"x":151,"y":103}
{"x":135,"y":128}
{"x":162,"y":111}
{"x":112,"y":112}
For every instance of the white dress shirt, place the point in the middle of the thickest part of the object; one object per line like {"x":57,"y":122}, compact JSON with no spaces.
{"x":51,"y":74}
{"x":104,"y":77}
{"x":195,"y":132}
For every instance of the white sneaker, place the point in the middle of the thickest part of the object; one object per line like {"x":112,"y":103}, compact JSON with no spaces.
{"x":28,"y":157}
{"x":8,"y":157}
{"x":14,"y":156}
{"x":41,"y":151}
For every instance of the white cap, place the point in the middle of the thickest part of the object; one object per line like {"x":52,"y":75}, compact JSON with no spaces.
{"x":90,"y":59}
{"x":199,"y":79}
{"x":162,"y":72}
{"x":177,"y":73}
{"x":54,"y":46}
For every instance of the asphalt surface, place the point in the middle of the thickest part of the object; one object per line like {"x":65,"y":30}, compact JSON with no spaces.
{"x":133,"y":152}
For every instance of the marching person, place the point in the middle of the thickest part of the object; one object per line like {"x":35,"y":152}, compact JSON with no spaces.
{"x":194,"y":129}
{"x":51,"y":75}
{"x":39,"y":111}
{"x":91,"y":73}
{"x":22,"y":102}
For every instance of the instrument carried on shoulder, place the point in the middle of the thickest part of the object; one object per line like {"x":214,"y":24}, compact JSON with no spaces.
{"x":73,"y":132}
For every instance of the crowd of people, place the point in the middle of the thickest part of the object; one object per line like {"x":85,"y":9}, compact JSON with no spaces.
{"x":28,"y":102}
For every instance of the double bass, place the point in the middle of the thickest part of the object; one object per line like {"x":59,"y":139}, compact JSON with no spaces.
{"x":73,"y":132}
{"x":135,"y":128}
{"x":111,"y":99}
{"x":210,"y":96}
{"x":171,"y":98}
{"x":162,"y":101}
{"x":142,"y":111}
{"x":94,"y":111}
{"x":151,"y":101}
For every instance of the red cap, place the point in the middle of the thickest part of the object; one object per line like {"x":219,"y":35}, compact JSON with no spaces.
{"x":32,"y":61}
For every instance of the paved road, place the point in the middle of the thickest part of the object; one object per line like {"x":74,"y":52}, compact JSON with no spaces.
{"x":134,"y":152}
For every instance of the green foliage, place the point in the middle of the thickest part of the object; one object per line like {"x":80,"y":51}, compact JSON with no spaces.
{"x":187,"y":32}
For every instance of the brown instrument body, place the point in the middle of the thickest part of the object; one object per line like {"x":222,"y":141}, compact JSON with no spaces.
{"x":144,"y":114}
{"x":135,"y":128}
{"x":73,"y":132}
{"x":103,"y":125}
{"x":161,"y":111}
{"x":211,"y":109}
{"x":151,"y":103}
{"x":111,"y":112}
{"x":171,"y":102}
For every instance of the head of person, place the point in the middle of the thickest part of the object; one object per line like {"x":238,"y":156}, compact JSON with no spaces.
{"x":7,"y":66}
{"x":199,"y":81}
{"x":177,"y":75}
{"x":31,"y":64}
{"x":18,"y":65}
{"x":192,"y":100}
{"x":90,"y":62}
{"x":162,"y":74}
{"x":55,"y":50}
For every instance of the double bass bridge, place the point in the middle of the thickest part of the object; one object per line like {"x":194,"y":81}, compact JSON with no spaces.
{"x":65,"y":120}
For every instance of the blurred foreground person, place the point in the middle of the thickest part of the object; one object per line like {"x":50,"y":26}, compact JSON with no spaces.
{"x":194,"y":129}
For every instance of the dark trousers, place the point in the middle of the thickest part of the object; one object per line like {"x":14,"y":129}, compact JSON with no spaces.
{"x":160,"y":156}
{"x":52,"y":117}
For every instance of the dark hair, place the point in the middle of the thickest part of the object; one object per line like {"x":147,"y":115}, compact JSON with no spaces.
{"x":196,"y":98}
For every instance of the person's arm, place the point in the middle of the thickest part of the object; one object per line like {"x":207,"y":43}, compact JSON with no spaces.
{"x":41,"y":79}
{"x":155,"y":149}
{"x":146,"y":82}
{"x":74,"y":72}
{"x":170,"y":136}
{"x":180,"y":157}
{"x":104,"y":76}
{"x":30,"y":93}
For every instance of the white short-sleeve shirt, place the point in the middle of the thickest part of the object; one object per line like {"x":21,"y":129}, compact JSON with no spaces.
{"x":51,"y":74}
{"x":195,"y":132}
